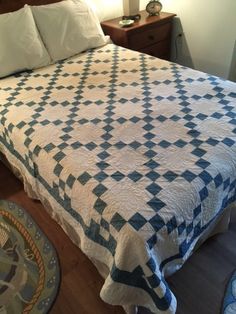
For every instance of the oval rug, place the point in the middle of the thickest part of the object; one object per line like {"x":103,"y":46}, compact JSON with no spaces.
{"x":229,"y":305}
{"x":29,"y":267}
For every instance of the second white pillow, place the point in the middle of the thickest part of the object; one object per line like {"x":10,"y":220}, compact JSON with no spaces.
{"x":68,"y":28}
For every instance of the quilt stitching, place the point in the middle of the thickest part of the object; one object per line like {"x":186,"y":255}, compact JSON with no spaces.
{"x":106,"y":145}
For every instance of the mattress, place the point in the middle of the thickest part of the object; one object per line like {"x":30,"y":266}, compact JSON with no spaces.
{"x":134,"y":156}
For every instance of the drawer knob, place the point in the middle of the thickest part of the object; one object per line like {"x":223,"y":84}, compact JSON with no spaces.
{"x":151,"y":37}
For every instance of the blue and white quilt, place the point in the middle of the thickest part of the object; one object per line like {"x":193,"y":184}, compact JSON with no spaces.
{"x":135,"y":155}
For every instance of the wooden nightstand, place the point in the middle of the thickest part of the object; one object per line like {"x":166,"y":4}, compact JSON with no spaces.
{"x":151,"y":34}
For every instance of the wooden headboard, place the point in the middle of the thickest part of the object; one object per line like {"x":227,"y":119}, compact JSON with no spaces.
{"x":13,"y":5}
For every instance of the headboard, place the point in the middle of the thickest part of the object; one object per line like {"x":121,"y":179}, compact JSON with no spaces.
{"x":13,"y":5}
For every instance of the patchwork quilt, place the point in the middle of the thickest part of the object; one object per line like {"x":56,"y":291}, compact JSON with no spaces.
{"x":135,"y":155}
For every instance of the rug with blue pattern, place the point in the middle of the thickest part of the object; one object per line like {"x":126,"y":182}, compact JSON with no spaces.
{"x":29,"y":269}
{"x":229,"y":305}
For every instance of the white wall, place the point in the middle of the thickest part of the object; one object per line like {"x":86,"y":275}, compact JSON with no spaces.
{"x":209,"y":28}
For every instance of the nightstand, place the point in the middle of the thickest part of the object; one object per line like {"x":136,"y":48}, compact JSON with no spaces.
{"x":151,"y":34}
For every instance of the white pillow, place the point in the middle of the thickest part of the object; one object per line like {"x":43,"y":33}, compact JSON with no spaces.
{"x":20,"y":45}
{"x":68,"y":28}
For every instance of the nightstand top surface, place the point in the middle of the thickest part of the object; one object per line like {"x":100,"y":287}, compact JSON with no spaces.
{"x":145,"y":20}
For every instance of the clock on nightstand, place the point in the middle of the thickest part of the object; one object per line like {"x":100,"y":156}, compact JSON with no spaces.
{"x":154,"y":7}
{"x":150,"y":34}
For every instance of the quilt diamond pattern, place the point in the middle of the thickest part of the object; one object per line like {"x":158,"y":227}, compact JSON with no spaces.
{"x":136,"y":155}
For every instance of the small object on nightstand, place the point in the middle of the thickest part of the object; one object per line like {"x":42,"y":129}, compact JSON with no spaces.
{"x":135,"y":17}
{"x":154,"y":7}
{"x":126,"y":23}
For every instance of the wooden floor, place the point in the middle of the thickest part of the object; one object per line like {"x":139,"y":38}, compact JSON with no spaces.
{"x":199,"y":286}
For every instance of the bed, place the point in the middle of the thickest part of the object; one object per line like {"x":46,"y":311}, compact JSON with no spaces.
{"x":134,"y":156}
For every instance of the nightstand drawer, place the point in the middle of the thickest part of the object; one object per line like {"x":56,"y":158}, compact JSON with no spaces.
{"x":160,"y":49}
{"x":151,"y":36}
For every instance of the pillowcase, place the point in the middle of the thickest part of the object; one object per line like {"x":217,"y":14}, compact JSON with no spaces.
{"x":20,"y":45}
{"x":68,"y":28}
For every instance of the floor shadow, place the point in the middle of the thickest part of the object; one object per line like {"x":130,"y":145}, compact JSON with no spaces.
{"x":8,"y":183}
